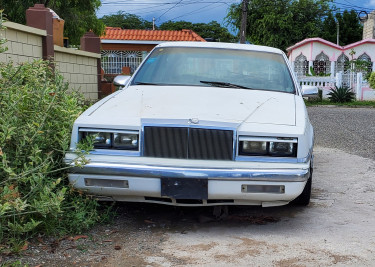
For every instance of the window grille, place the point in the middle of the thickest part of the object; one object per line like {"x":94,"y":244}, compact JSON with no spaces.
{"x":342,"y":63}
{"x":113,"y":61}
{"x":301,"y":65}
{"x":321,"y":64}
{"x":365,"y":57}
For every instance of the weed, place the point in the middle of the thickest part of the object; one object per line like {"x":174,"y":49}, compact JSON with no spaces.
{"x":37,"y":113}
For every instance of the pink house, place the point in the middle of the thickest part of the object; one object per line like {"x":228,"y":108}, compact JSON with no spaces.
{"x":329,"y":59}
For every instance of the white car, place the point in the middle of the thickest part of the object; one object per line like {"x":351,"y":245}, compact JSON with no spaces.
{"x":200,"y":124}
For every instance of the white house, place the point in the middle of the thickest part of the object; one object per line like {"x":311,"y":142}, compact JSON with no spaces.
{"x":329,"y":59}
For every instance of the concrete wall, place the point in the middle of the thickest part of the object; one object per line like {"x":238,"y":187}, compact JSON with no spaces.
{"x":369,"y":27}
{"x":24,"y":43}
{"x":79,"y":68}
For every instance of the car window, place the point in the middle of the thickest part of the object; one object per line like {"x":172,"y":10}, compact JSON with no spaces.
{"x":192,"y":65}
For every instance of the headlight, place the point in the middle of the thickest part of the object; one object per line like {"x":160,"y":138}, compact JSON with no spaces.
{"x":112,"y":139}
{"x":267,"y":146}
{"x":125,"y":141}
{"x":253,"y":147}
{"x":281,"y":149}
{"x":101,"y":140}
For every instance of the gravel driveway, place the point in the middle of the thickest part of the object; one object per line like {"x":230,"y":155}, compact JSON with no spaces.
{"x":336,"y":229}
{"x":349,"y":129}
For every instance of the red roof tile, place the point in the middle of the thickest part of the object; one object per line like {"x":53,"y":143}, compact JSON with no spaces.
{"x":114,"y":33}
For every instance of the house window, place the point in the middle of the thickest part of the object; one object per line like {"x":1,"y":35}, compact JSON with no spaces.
{"x":365,"y":57}
{"x":113,"y":61}
{"x":301,"y":66}
{"x":342,"y":63}
{"x":322,"y":65}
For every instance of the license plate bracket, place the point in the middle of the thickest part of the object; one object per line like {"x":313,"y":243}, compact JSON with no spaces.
{"x":184,"y":188}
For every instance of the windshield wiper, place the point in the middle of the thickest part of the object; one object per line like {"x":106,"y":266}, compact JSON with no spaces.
{"x":225,"y":84}
{"x":142,"y":83}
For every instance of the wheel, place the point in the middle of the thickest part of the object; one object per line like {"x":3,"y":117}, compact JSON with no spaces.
{"x":304,"y":198}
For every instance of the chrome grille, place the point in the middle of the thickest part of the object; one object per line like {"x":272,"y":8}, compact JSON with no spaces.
{"x":188,"y":143}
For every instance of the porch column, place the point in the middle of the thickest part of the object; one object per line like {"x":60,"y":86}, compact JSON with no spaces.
{"x":358,"y":90}
{"x":333,"y":69}
{"x":373,"y":66}
{"x":339,"y":79}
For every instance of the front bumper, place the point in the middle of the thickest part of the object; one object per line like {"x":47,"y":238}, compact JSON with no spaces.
{"x":266,"y":184}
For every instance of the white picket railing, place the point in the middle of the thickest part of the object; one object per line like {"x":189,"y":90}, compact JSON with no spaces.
{"x":326,"y":82}
{"x":357,"y":83}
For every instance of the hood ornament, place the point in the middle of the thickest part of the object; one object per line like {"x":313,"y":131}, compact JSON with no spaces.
{"x":194,"y":120}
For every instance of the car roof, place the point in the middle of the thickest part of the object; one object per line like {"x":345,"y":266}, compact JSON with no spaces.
{"x":249,"y":47}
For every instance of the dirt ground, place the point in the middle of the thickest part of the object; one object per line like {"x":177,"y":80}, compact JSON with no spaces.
{"x":336,"y":229}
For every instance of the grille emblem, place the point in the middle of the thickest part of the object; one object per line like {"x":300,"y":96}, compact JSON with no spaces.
{"x":194,"y":120}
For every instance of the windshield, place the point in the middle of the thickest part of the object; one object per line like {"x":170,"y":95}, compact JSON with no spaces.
{"x":195,"y":66}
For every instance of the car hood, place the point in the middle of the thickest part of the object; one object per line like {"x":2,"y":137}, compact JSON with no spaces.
{"x":203,"y":103}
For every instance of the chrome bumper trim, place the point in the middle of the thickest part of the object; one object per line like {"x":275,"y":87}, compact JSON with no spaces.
{"x":237,"y":174}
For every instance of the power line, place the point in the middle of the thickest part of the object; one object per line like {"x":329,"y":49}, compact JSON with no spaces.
{"x":169,"y":10}
{"x":163,"y":5}
{"x":149,"y":7}
{"x":350,"y":5}
{"x":166,"y":6}
{"x":197,"y":11}
{"x":126,"y":3}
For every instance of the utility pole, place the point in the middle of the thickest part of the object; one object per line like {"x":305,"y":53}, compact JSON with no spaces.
{"x":153,"y":24}
{"x":243,"y":21}
{"x":338,"y":33}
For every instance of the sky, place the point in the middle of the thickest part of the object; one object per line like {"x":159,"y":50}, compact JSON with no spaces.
{"x":196,"y":11}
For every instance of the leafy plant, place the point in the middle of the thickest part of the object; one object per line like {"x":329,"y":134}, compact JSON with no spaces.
{"x":37,"y":113}
{"x":371,"y":80}
{"x":2,"y":28}
{"x":312,"y":71}
{"x":321,"y":74}
{"x":341,"y":94}
{"x":79,"y":16}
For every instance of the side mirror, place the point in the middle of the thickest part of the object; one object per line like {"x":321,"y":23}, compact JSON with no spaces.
{"x":121,"y":80}
{"x":309,"y":90}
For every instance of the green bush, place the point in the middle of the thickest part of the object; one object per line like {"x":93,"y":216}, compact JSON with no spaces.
{"x":371,"y":80}
{"x":341,"y":94}
{"x":37,"y":114}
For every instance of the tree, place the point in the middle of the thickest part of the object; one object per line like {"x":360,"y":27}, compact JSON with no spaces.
{"x":212,"y":30}
{"x":280,"y":23}
{"x":126,"y":21}
{"x":176,"y":25}
{"x":2,"y":28}
{"x":329,"y":28}
{"x":350,"y":27}
{"x":79,"y":16}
